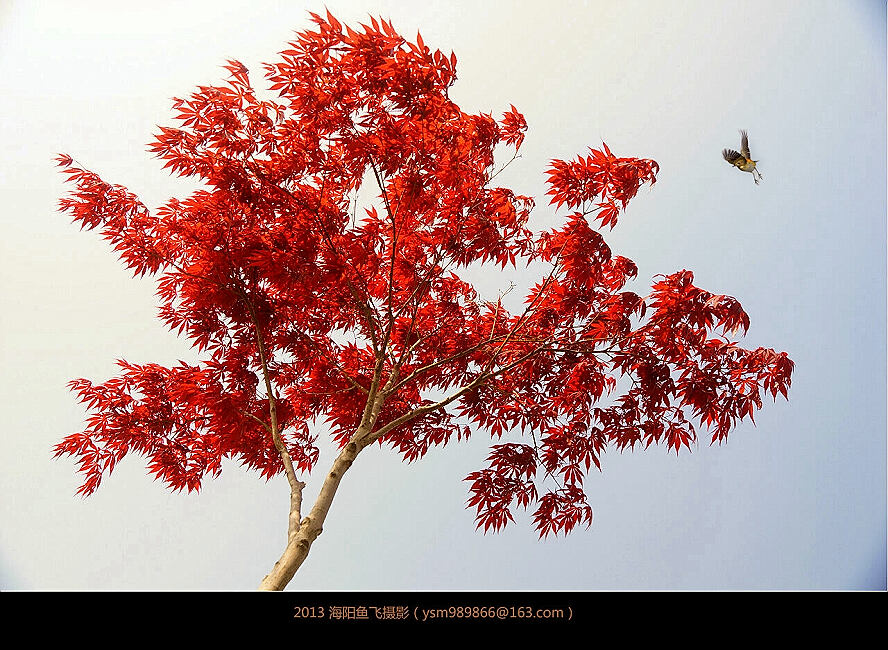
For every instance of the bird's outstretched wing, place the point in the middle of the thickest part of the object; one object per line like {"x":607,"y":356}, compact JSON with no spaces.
{"x":732,"y":156}
{"x":744,"y":145}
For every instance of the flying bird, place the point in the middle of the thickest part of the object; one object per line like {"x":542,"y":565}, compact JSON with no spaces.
{"x":742,"y":160}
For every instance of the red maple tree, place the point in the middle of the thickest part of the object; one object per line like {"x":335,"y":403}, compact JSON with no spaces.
{"x":307,"y":311}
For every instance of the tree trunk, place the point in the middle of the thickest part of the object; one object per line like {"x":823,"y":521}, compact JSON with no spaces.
{"x":311,"y":525}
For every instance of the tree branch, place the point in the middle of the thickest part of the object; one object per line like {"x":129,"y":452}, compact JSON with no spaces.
{"x":296,"y":486}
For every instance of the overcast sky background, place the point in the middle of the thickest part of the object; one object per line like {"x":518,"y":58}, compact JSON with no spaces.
{"x":796,"y":502}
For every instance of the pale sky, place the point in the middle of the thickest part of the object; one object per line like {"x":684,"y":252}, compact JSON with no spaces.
{"x":796,"y":502}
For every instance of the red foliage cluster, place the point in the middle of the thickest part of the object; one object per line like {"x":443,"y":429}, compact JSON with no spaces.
{"x":601,"y":180}
{"x":338,"y":318}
